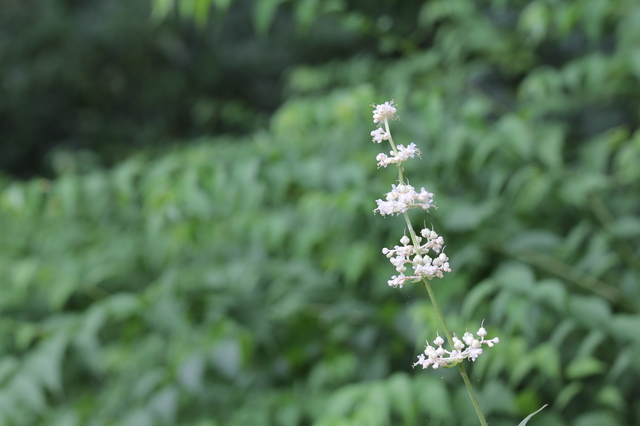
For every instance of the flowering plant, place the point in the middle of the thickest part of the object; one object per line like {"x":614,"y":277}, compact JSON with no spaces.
{"x":422,"y":253}
{"x":427,"y":260}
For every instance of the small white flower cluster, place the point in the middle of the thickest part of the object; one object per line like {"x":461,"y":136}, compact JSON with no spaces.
{"x":402,"y":198}
{"x":385,"y":111}
{"x":470,"y":347}
{"x":422,"y":264}
{"x":402,"y":154}
{"x":379,"y":135}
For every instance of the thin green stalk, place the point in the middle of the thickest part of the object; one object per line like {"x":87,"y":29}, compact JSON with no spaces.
{"x":393,"y":146}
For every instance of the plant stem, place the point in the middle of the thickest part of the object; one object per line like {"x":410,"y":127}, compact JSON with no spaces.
{"x":395,"y":150}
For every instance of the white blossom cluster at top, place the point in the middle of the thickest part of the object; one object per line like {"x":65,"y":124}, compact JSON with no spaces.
{"x":385,"y":111}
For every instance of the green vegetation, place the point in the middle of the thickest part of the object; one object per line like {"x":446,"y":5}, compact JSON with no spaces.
{"x":239,"y":280}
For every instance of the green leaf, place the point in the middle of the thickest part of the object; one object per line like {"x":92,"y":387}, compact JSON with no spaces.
{"x":27,"y":391}
{"x":584,"y":367}
{"x":478,"y":295}
{"x":597,"y":418}
{"x":567,"y":394}
{"x":201,"y":11}
{"x":165,"y":404}
{"x":626,"y":227}
{"x":516,"y":277}
{"x":355,"y":260}
{"x":591,"y":311}
{"x":535,"y":239}
{"x":575,"y":188}
{"x":464,"y":216}
{"x":264,"y":14}
{"x":226,"y":357}
{"x":399,"y":389}
{"x":526,"y":419}
{"x":191,"y":373}
{"x":611,"y":396}
{"x":46,"y":365}
{"x":432,"y":393}
{"x":161,"y":8}
{"x":625,"y":327}
{"x":547,"y":359}
{"x":496,"y":396}
{"x":623,"y":362}
{"x":138,"y":417}
{"x":553,"y":293}
{"x":9,"y":407}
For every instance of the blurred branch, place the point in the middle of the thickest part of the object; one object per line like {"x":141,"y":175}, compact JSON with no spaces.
{"x":570,"y":274}
{"x":607,"y":221}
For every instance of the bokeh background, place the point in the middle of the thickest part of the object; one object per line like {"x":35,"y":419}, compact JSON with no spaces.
{"x":186,"y":196}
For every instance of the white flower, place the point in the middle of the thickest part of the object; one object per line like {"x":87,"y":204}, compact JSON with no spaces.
{"x":385,"y":111}
{"x":437,"y":357}
{"x":423,"y":265}
{"x":379,"y":135}
{"x":397,"y":281}
{"x":435,"y":242}
{"x":402,"y":155}
{"x":409,"y":152}
{"x":402,"y":198}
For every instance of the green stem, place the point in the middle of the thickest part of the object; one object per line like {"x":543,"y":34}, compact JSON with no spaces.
{"x":395,"y":150}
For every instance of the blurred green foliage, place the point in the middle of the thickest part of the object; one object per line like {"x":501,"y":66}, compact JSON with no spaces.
{"x":103,"y":77}
{"x":240,"y":281}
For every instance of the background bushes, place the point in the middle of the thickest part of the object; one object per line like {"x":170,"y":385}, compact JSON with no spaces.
{"x":105,"y":79}
{"x":239,"y":279}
